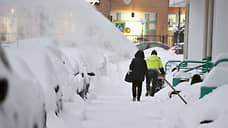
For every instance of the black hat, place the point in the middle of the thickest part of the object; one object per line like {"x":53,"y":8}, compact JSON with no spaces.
{"x":139,"y":54}
{"x":154,"y":52}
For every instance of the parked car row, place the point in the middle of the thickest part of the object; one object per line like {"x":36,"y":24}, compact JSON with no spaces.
{"x":146,"y":45}
{"x":36,"y":84}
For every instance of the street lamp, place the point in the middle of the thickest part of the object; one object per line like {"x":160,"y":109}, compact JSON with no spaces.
{"x":143,"y":22}
{"x":12,"y":10}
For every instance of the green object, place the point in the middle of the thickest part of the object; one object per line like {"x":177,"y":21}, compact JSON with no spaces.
{"x":176,"y":81}
{"x":206,"y":90}
{"x":220,"y":61}
{"x":184,"y":64}
{"x":208,"y":58}
{"x":205,"y":66}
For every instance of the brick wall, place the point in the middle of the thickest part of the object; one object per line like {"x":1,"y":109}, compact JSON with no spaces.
{"x":104,"y":7}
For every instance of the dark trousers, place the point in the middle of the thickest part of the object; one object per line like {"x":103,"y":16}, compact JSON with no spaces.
{"x":137,"y":89}
{"x":152,"y":75}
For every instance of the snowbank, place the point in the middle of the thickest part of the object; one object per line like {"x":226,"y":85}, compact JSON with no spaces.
{"x":211,"y":107}
{"x":24,"y":105}
{"x":42,"y":61}
{"x":216,"y":76}
{"x":77,"y":39}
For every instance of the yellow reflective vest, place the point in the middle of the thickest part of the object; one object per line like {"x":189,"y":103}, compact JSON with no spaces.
{"x":153,"y":62}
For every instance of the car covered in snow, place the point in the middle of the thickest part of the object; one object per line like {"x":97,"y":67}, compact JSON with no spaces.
{"x":147,"y":44}
{"x":21,"y":100}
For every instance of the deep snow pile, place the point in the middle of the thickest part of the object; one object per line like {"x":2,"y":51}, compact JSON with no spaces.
{"x":211,"y":107}
{"x":23,"y":105}
{"x":49,"y":66}
{"x":74,"y":23}
{"x":161,"y":110}
{"x":99,"y":47}
{"x":89,"y":46}
{"x":51,"y":63}
{"x":43,"y":62}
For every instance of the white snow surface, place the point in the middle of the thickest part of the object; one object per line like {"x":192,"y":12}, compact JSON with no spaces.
{"x":109,"y":103}
{"x":99,"y":47}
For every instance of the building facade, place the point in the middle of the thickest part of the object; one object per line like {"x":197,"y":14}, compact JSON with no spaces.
{"x":207,"y":29}
{"x":176,"y":17}
{"x":144,"y":19}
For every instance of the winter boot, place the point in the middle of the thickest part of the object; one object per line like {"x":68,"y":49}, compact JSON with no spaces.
{"x":134,"y":99}
{"x":138,"y":99}
{"x":146,"y":94}
{"x":152,"y":94}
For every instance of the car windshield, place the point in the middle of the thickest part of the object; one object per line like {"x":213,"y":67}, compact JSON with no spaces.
{"x":146,"y":45}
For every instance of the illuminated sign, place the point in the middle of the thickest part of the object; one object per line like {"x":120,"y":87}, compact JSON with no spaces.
{"x":120,"y":25}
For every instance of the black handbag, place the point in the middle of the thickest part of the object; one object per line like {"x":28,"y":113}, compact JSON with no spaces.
{"x":129,"y":76}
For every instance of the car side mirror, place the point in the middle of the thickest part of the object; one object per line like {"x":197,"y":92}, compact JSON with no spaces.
{"x":91,"y":74}
{"x":3,"y":89}
{"x":57,"y":89}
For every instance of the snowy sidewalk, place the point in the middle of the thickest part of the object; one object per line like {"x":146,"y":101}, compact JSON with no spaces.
{"x":115,"y":111}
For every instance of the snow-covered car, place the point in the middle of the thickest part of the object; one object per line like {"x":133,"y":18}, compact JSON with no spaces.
{"x":146,"y":45}
{"x":21,"y":101}
{"x":81,"y":74}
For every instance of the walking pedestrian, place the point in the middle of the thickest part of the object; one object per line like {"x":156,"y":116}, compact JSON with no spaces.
{"x":154,"y":65}
{"x":139,"y":68}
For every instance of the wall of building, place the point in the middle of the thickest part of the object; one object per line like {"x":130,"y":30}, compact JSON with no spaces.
{"x":220,"y":38}
{"x":196,"y":29}
{"x":175,"y":10}
{"x":104,"y":7}
{"x":159,"y":6}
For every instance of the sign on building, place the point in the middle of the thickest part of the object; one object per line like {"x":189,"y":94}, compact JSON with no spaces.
{"x":120,"y":25}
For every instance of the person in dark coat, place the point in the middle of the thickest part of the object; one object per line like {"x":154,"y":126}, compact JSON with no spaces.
{"x":139,"y":68}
